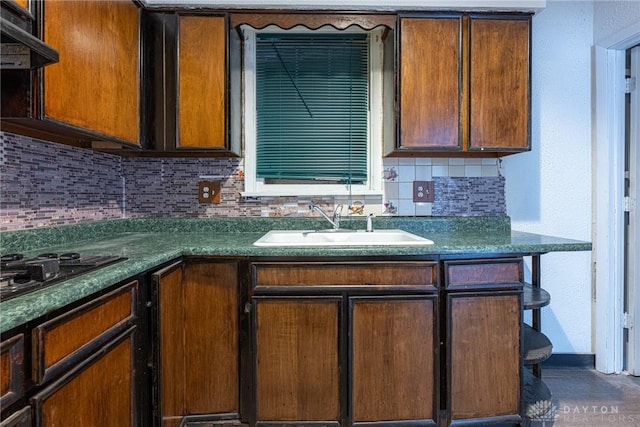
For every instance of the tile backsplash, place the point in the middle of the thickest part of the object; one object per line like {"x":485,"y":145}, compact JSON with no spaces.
{"x":44,"y":183}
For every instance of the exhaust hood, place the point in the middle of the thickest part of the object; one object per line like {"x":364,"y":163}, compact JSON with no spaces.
{"x":20,"y":50}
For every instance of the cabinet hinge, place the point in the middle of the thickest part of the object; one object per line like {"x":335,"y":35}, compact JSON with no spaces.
{"x":626,"y":202}
{"x":629,"y":84}
{"x":627,"y":320}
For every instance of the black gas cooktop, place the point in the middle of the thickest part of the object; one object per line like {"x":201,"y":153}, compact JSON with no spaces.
{"x":19,"y":276}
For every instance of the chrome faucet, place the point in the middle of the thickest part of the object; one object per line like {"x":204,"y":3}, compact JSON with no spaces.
{"x":336,"y":215}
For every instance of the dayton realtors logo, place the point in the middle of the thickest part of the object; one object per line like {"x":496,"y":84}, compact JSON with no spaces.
{"x":585,"y":416}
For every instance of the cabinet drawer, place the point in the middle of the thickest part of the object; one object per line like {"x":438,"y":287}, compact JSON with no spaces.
{"x":483,"y":273}
{"x":12,"y":370}
{"x":396,"y":275}
{"x":65,"y":340}
{"x":98,"y":391}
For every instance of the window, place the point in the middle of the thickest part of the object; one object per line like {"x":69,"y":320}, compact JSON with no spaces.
{"x":309,"y":99}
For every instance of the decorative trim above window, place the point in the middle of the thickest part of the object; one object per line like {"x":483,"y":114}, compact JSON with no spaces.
{"x":313,"y":21}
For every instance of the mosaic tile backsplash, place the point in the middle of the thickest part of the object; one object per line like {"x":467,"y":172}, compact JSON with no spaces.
{"x":44,"y":183}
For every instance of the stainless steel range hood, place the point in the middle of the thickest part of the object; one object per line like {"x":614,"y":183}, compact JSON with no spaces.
{"x":20,"y":50}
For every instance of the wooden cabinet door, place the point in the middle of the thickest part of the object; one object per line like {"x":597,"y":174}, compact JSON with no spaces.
{"x":297,"y":353}
{"x":12,"y":374}
{"x":86,"y":361}
{"x":23,"y":3}
{"x":430,"y":83}
{"x":394,"y":359}
{"x":21,"y":418}
{"x":202,"y":100}
{"x":99,"y":392}
{"x":96,"y":84}
{"x":197,"y":304}
{"x":483,"y":356}
{"x":499,"y":83}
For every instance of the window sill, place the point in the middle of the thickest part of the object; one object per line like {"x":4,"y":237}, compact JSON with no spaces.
{"x":310,"y":192}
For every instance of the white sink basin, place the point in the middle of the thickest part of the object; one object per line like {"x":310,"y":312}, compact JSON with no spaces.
{"x":340,"y":238}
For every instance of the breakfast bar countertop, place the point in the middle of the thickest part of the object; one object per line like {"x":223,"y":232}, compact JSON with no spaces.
{"x":149,"y":243}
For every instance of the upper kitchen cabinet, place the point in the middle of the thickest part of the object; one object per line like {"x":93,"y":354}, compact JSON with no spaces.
{"x":201,"y":82}
{"x":464,"y":85}
{"x":186,"y":64}
{"x":430,"y":83}
{"x":499,"y":83}
{"x":92,"y":94}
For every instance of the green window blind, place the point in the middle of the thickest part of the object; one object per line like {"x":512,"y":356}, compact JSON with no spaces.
{"x":312,"y":101}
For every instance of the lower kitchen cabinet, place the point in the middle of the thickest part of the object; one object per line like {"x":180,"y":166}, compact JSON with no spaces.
{"x":268,"y":342}
{"x":297,"y":360}
{"x":358,"y":343}
{"x":85,"y":362}
{"x":484,"y":364}
{"x":12,"y":370}
{"x":394,"y":358}
{"x":483,"y":340}
{"x":100,"y":392}
{"x":346,"y":343}
{"x":197,"y":352}
{"x":21,"y":418}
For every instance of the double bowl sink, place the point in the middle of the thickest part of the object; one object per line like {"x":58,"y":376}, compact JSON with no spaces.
{"x":278,"y":238}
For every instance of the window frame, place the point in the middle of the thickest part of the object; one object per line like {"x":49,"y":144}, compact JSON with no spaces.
{"x":255,"y":187}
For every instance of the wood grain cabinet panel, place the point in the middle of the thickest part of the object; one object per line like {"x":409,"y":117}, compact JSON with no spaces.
{"x":482,"y":273}
{"x":202,"y":75}
{"x":60,"y":342}
{"x":99,"y":392}
{"x":96,"y":85}
{"x":22,"y":3}
{"x":394,"y":353}
{"x":297,"y":369}
{"x":484,"y":366}
{"x":499,"y":83}
{"x":198,"y":340}
{"x":12,"y":370}
{"x":431,"y":79}
{"x":395,"y":275}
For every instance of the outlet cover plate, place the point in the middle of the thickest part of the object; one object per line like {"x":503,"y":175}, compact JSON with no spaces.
{"x":423,"y":192}
{"x":209,"y":192}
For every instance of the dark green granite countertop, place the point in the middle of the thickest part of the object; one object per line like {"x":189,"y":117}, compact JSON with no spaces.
{"x":148,"y":243}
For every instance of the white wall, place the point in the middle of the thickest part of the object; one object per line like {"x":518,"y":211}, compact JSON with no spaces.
{"x":548,"y":191}
{"x":611,"y":17}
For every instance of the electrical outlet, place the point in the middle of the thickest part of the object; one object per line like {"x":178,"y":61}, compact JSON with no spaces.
{"x":423,"y":192}
{"x":209,"y":192}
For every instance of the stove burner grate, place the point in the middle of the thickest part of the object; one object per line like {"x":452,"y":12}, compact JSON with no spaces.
{"x":19,"y":276}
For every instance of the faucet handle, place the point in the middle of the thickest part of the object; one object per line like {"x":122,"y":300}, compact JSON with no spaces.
{"x":336,"y":216}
